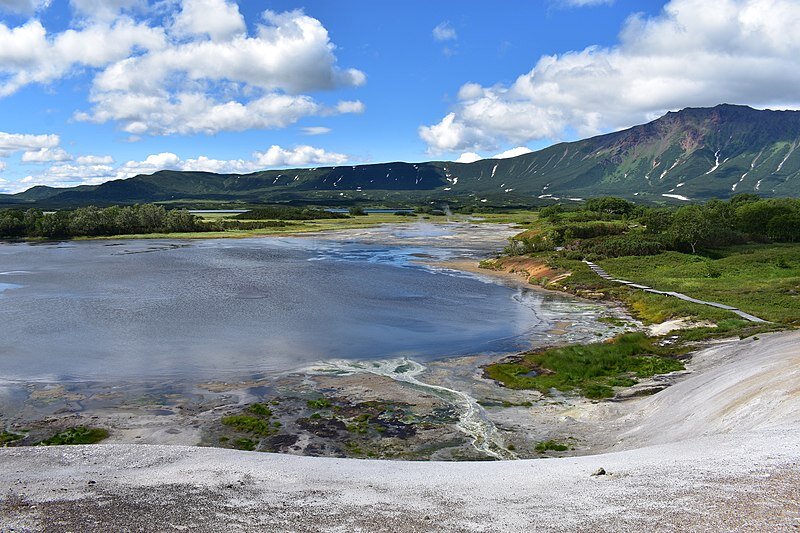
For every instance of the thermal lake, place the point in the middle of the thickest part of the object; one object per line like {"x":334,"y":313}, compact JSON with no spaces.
{"x":227,"y":308}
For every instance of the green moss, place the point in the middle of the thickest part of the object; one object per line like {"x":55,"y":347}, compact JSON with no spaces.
{"x":655,"y":308}
{"x":76,"y":435}
{"x":596,"y":391}
{"x":621,"y":382}
{"x":7,"y":437}
{"x":489,"y":264}
{"x":353,"y":448}
{"x":249,"y":424}
{"x":506,"y":403}
{"x":550,"y":445}
{"x":244,"y":444}
{"x":359,"y":424}
{"x":260,"y":409}
{"x":320,"y":403}
{"x":614,"y":321}
{"x":589,"y":369}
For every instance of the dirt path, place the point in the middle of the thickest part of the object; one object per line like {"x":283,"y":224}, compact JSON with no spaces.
{"x":605,"y":275}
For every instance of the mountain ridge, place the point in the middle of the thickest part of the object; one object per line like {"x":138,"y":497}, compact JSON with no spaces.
{"x":691,"y":154}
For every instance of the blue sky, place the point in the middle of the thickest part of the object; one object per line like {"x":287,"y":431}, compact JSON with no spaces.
{"x":92,"y":90}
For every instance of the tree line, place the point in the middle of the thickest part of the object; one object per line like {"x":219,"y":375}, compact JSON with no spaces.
{"x":614,"y":227}
{"x":94,"y":221}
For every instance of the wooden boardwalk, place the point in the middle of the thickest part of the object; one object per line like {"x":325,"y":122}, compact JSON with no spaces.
{"x":605,"y":275}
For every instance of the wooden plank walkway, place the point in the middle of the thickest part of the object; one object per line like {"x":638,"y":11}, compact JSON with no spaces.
{"x":605,"y":275}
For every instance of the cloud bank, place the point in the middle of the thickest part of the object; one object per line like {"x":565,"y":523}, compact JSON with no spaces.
{"x":694,"y":53}
{"x":94,"y":169}
{"x":194,"y":70}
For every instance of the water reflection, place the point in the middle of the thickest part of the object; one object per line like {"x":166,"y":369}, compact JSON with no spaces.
{"x":224,"y":308}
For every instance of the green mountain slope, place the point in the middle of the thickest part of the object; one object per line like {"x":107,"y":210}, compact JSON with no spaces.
{"x":694,"y":154}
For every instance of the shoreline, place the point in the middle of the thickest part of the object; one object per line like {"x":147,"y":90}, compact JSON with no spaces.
{"x":306,"y":229}
{"x":524,"y":418}
{"x":148,"y":415}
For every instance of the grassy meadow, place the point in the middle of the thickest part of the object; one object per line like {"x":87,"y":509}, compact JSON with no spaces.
{"x":761,"y":279}
{"x":743,"y":253}
{"x":592,"y":370}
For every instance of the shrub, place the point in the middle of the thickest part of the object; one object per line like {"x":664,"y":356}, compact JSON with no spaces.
{"x":585,"y":230}
{"x":551,"y":212}
{"x":550,"y":445}
{"x":657,"y":220}
{"x":92,"y":221}
{"x":622,"y":245}
{"x":528,"y":243}
{"x":610,"y":204}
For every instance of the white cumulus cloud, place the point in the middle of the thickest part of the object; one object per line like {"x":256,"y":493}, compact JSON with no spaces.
{"x":66,"y":175}
{"x":28,"y":54}
{"x":513,"y":152}
{"x":152,"y":163}
{"x":105,"y":9}
{"x":11,"y":143}
{"x":94,"y":160}
{"x":450,"y":134}
{"x":218,"y":19}
{"x":300,"y":156}
{"x":471,"y":157}
{"x":693,"y":53}
{"x":468,"y":157}
{"x":45,"y":155}
{"x":220,"y":166}
{"x":196,"y":69}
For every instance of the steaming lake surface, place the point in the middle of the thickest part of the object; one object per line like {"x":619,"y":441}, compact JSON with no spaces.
{"x":211,"y":309}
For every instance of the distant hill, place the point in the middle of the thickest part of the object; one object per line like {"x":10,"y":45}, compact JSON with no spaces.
{"x":692,"y":154}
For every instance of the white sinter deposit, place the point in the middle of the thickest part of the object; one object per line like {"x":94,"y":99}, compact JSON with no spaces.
{"x":719,"y":451}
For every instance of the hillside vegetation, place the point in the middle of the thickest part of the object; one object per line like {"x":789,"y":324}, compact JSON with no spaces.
{"x":744,"y":252}
{"x":692,"y":154}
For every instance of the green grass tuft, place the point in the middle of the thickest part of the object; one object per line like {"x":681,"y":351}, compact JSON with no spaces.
{"x":7,"y":437}
{"x":249,"y":424}
{"x":245,"y":444}
{"x":550,"y":445}
{"x":591,"y":369}
{"x":321,"y":403}
{"x":260,"y":409}
{"x":76,"y":435}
